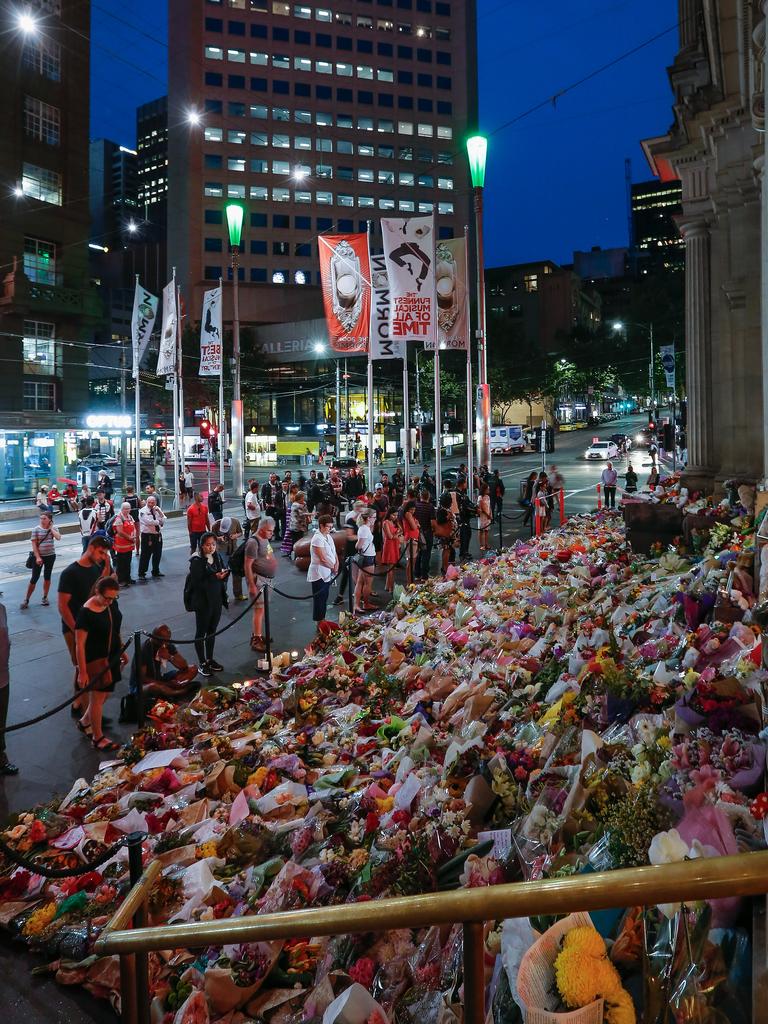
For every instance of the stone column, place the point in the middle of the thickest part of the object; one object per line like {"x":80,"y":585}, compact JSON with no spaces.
{"x":688,"y":13}
{"x":698,"y":349}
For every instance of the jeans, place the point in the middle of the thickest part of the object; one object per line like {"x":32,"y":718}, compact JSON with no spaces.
{"x":206,"y":623}
{"x":425,"y":556}
{"x":194,"y":539}
{"x":610,"y":496}
{"x":320,"y":590}
{"x":151,"y":546}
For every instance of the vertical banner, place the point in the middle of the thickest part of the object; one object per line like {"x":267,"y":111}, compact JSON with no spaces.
{"x":166,"y":358}
{"x":345,"y":273}
{"x":452,"y":295}
{"x":142,"y":322}
{"x":667,"y":353}
{"x":383,"y":346}
{"x":210,"y":334}
{"x":409,"y":251}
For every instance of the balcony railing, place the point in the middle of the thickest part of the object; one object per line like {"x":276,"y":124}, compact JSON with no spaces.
{"x":31,"y":297}
{"x":702,"y":879}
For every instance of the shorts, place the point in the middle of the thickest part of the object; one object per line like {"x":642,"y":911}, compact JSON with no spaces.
{"x":366,"y":561}
{"x":261,"y":582}
{"x":46,"y":568}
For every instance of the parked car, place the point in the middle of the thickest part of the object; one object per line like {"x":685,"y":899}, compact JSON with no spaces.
{"x":602,"y":450}
{"x":99,"y":461}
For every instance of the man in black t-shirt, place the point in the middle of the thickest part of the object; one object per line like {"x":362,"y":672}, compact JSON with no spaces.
{"x":75,"y":585}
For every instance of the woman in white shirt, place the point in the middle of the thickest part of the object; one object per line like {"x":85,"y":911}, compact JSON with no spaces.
{"x":323,"y":566}
{"x":366,"y":561}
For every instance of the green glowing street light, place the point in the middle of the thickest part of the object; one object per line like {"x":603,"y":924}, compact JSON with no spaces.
{"x":235,"y":212}
{"x":235,"y":216}
{"x":477,"y":150}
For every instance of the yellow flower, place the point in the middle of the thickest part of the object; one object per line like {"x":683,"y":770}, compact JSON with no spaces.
{"x":385,"y":803}
{"x":619,"y":1008}
{"x":257,"y":778}
{"x":39,"y":920}
{"x":358,"y":859}
{"x":664,"y":742}
{"x":207,"y":849}
{"x":583,"y":971}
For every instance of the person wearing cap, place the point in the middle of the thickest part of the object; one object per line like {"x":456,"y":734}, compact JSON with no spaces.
{"x":216,"y":502}
{"x":366,"y":561}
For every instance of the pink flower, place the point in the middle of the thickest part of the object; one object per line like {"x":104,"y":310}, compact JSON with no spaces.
{"x":705,"y":774}
{"x":363,"y":971}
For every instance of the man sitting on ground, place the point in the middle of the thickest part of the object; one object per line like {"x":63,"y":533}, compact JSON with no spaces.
{"x":166,"y":672}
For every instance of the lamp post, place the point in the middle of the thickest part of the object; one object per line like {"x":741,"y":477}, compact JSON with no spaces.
{"x":620,"y":325}
{"x":235,"y":215}
{"x":477,"y":149}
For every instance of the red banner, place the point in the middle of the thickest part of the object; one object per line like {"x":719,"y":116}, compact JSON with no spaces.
{"x":345,"y":272}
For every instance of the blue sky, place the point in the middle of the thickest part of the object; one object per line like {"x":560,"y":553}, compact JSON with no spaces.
{"x":555,"y":179}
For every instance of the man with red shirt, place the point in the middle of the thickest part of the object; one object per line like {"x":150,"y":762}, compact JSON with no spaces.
{"x":197,"y":521}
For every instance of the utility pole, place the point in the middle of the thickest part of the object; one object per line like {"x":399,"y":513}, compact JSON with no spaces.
{"x":124,"y":435}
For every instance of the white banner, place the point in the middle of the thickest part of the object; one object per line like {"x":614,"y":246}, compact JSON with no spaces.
{"x":166,"y":357}
{"x":210,"y":334}
{"x":667,"y":353}
{"x":383,"y":346}
{"x":142,"y":322}
{"x":409,"y":251}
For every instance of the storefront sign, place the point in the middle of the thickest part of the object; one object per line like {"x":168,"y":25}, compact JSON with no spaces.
{"x":99,"y":421}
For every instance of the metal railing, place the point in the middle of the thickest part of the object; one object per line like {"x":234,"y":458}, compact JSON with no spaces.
{"x":701,"y":879}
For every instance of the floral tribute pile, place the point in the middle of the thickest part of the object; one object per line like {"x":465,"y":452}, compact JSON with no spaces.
{"x":563,"y":708}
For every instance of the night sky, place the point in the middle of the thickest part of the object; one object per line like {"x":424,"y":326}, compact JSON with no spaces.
{"x":555,"y":179}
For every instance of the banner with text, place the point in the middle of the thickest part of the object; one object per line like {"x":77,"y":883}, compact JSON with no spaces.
{"x":409,"y":251}
{"x":667,"y":353}
{"x":166,"y":357}
{"x":345,"y":273}
{"x":383,"y":345}
{"x":142,"y":322}
{"x":210,"y":334}
{"x":452,"y":295}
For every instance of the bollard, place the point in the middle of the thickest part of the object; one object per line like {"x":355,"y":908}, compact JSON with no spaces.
{"x":267,"y":630}
{"x":139,"y":681}
{"x":562,"y":506}
{"x":501,"y":538}
{"x":599,"y":498}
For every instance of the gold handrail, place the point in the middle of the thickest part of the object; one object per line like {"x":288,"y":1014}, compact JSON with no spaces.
{"x":135,"y":898}
{"x":709,"y":878}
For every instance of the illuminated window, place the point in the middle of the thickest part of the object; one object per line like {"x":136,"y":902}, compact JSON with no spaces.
{"x":386,"y":177}
{"x":345,"y":70}
{"x":531,"y":282}
{"x":40,"y":260}
{"x":364,"y":72}
{"x":213,"y":189}
{"x":303,"y":197}
{"x":281,"y":195}
{"x":426,"y":207}
{"x":326,"y":198}
{"x":323,"y":15}
{"x":235,"y":137}
{"x":234,"y":164}
{"x":281,"y":167}
{"x":405,"y":178}
{"x":302,"y":64}
{"x":281,"y":141}
{"x":259,"y":192}
{"x":365,"y":150}
{"x":302,"y":142}
{"x":262,"y":59}
{"x":386,"y":204}
{"x":281,"y":114}
{"x":214,"y":53}
{"x":324,"y":67}
{"x":365,"y":201}
{"x":444,"y":133}
{"x":302,"y":12}
{"x":384,"y":75}
{"x":278,"y":61}
{"x":39,"y":348}
{"x":42,"y":184}
{"x":405,"y":128}
{"x":213,"y":134}
{"x":44,"y":58}
{"x":259,"y":112}
{"x":278,"y":277}
{"x":445,"y":208}
{"x":406,"y":206}
{"x":236,"y":56}
{"x":345,"y":200}
{"x":426,"y":131}
{"x":445,"y":182}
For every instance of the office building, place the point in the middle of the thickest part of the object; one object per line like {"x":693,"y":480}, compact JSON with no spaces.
{"x":658,"y":246}
{"x":320,"y":119}
{"x":152,"y":157}
{"x":47,"y":309}
{"x":113,"y":192}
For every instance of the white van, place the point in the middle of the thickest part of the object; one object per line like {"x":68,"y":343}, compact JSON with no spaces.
{"x":507,"y":440}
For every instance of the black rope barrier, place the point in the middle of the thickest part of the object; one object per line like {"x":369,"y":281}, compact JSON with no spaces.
{"x":70,"y":700}
{"x":208,"y":636}
{"x":132,"y":840}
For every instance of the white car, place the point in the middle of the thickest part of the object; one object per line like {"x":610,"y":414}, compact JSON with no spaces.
{"x":602,"y":450}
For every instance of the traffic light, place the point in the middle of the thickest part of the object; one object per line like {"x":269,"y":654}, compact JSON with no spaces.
{"x":206,"y":429}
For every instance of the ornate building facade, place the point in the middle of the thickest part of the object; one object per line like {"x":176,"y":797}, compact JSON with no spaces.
{"x":715,"y":147}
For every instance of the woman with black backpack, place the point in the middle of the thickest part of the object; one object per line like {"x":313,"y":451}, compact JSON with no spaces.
{"x":205,"y":594}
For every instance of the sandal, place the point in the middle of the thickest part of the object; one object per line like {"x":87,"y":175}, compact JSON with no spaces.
{"x":104,"y":743}
{"x":24,"y":605}
{"x":84,"y":729}
{"x":257,"y":643}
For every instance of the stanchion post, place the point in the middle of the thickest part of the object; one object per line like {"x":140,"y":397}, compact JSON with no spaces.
{"x":501,"y":537}
{"x":562,"y":505}
{"x":139,"y":681}
{"x":474,"y":973}
{"x":138,"y":971}
{"x":267,"y":628}
{"x":350,"y":585}
{"x":599,"y":498}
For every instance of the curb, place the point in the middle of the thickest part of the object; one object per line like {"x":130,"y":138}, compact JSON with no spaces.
{"x":9,"y":538}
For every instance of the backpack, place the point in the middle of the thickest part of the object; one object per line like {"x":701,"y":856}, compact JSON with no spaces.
{"x":237,"y":561}
{"x":109,"y":527}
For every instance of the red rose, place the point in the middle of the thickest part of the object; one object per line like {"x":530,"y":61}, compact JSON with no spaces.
{"x":371,"y":822}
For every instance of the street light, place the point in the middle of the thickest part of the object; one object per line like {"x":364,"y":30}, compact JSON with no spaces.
{"x":318,"y":348}
{"x":27,"y":23}
{"x":621,"y":325}
{"x":193,"y":116}
{"x":235,"y":212}
{"x":477,"y":149}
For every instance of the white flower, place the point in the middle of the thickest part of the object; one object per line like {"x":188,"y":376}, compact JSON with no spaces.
{"x":667,"y":848}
